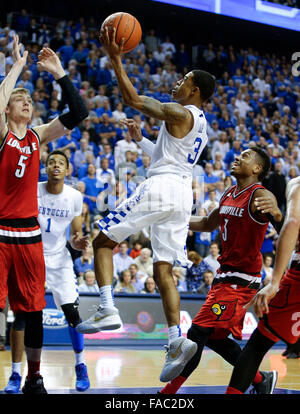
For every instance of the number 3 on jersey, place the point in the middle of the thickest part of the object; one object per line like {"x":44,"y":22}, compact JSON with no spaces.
{"x":193,"y":157}
{"x":20,"y":170}
{"x":224,"y":233}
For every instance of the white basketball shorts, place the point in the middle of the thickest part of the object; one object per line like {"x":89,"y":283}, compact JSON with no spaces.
{"x":60,"y":278}
{"x":164,"y":203}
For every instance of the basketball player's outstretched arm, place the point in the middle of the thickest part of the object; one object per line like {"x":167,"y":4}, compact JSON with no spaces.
{"x":286,"y":244}
{"x":9,"y":82}
{"x":205,"y":223}
{"x":172,"y":113}
{"x":49,"y":61}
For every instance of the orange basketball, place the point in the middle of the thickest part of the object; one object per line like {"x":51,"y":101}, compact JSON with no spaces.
{"x":127,"y":27}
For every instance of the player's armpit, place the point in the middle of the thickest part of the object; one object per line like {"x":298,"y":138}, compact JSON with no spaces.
{"x":169,"y":112}
{"x":51,"y":131}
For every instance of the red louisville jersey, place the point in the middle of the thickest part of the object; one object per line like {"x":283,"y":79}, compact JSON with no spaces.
{"x":19,"y":174}
{"x":241,"y":234}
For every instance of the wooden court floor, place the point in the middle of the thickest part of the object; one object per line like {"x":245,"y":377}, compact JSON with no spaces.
{"x":136,"y":371}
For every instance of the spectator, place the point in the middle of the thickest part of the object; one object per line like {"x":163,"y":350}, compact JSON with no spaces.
{"x":86,"y":219}
{"x":205,"y":286}
{"x":138,"y":278}
{"x":92,"y":187}
{"x":221,"y":145}
{"x":211,"y":203}
{"x":212,"y":258}
{"x":267,"y":269}
{"x":268,"y":245}
{"x":122,"y":260}
{"x":106,"y":175}
{"x":145,"y":261}
{"x":194,"y":274}
{"x":83,"y":263}
{"x":125,"y":144}
{"x":125,"y":284}
{"x":142,"y":170}
{"x":149,"y":286}
{"x":210,"y":179}
{"x":70,"y":179}
{"x":136,"y":249}
{"x":80,"y":154}
{"x":89,"y":283}
{"x":118,"y":113}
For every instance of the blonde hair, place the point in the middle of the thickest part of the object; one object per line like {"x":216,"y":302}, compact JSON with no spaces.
{"x":19,"y":90}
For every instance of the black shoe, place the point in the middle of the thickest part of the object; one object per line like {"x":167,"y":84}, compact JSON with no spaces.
{"x":34,"y":386}
{"x":267,"y":385}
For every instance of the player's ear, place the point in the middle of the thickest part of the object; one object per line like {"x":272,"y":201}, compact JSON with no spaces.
{"x":257,"y":169}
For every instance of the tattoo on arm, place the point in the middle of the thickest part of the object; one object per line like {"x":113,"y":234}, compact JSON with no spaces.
{"x":170,"y":112}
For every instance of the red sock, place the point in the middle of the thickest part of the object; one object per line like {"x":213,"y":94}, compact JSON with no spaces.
{"x":231,"y":390}
{"x":173,"y":386}
{"x":33,"y":369}
{"x":257,"y":378}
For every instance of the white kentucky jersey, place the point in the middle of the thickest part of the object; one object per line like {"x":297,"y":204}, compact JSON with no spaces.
{"x":56,"y":212}
{"x":178,"y":156}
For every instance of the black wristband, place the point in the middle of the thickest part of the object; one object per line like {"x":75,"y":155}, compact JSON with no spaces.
{"x":78,"y":110}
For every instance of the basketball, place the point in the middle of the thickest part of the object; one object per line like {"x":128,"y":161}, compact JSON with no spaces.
{"x":127,"y":27}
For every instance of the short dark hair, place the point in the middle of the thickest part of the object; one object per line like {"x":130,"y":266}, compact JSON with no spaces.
{"x":266,"y":162}
{"x":58,"y":152}
{"x":205,"y":82}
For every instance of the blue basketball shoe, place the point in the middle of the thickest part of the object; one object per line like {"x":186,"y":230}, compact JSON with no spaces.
{"x":82,"y":379}
{"x":14,"y":383}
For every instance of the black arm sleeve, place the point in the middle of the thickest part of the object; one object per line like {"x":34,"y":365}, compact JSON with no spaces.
{"x":276,"y":224}
{"x":78,"y":110}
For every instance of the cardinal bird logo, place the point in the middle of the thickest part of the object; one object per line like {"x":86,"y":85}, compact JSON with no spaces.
{"x":224,"y":310}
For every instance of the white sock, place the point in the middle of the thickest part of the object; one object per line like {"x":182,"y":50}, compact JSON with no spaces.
{"x":107,"y":297}
{"x":79,"y":358}
{"x":174,"y":332}
{"x":16,"y":367}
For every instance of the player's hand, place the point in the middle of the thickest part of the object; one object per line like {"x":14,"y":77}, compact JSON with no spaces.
{"x":267,"y":203}
{"x":108,"y":41}
{"x":50,"y":62}
{"x":133,"y":129}
{"x":262,"y":298}
{"x":16,"y":52}
{"x":80,"y":243}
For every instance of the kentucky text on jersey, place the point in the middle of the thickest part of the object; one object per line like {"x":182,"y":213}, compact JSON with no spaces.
{"x":54,"y":212}
{"x":232,"y":211}
{"x":12,"y":142}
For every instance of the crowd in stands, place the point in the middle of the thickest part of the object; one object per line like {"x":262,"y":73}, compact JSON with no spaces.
{"x":289,"y":3}
{"x":256,"y":103}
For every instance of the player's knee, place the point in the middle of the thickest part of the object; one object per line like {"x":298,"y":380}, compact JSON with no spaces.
{"x":71,"y":313}
{"x":19,"y":322}
{"x":102,"y":241}
{"x":196,"y":333}
{"x":34,"y":330}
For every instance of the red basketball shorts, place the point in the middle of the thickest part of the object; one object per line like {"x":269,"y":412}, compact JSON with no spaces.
{"x":283,"y":320}
{"x":224,"y":310}
{"x":22,"y":267}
